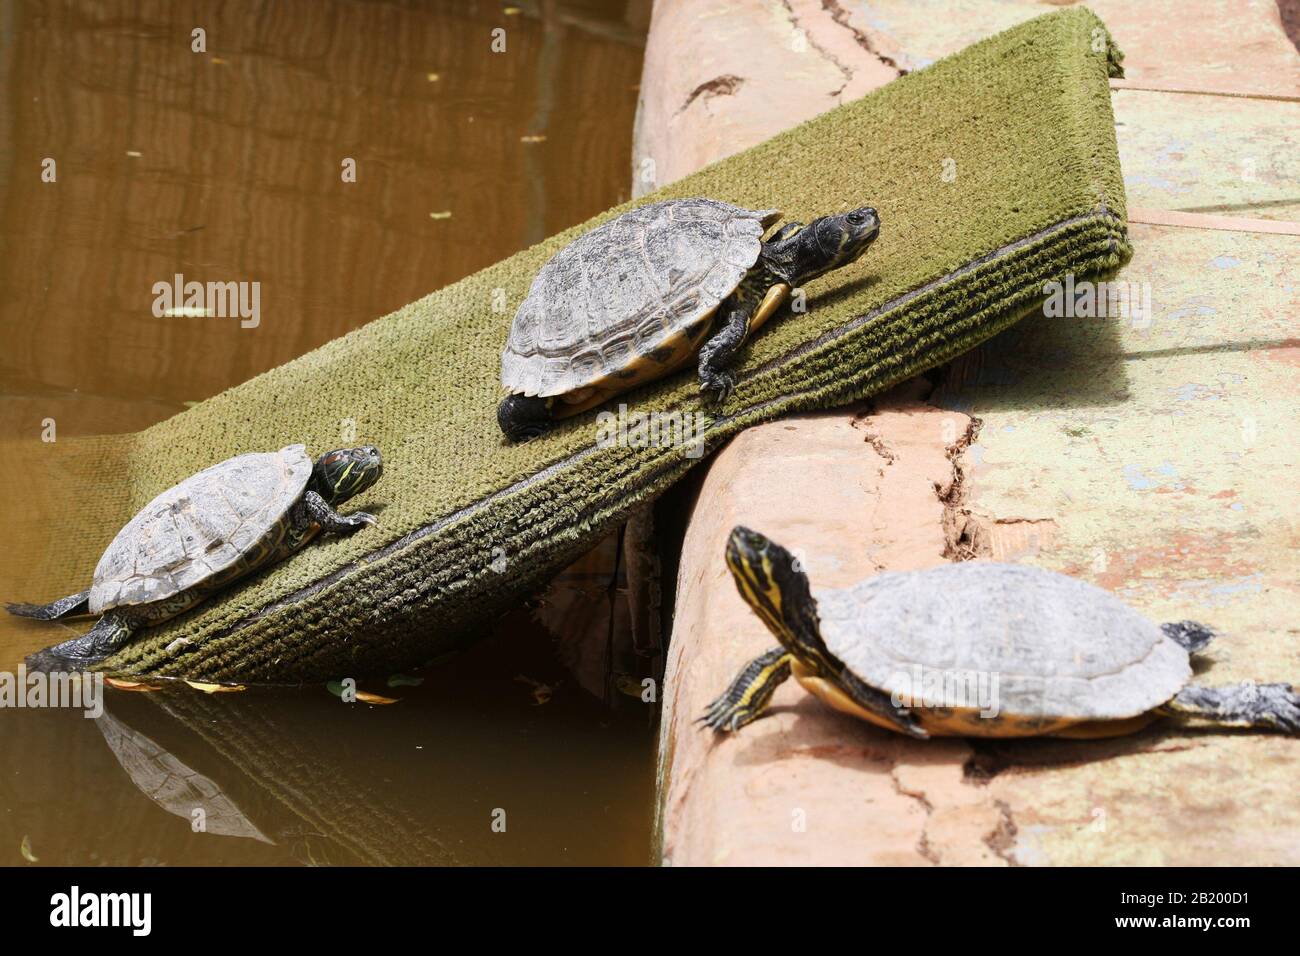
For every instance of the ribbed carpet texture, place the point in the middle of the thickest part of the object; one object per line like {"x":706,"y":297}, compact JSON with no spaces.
{"x":994,"y":171}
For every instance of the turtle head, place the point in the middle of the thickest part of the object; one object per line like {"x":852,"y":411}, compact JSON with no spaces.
{"x":774,"y":585}
{"x":831,"y":242}
{"x":344,"y":472}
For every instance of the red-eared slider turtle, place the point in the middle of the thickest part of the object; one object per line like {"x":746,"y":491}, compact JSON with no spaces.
{"x":198,"y":536}
{"x":917,"y":652}
{"x":639,"y":296}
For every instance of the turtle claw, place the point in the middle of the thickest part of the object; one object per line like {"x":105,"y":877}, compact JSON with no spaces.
{"x":364,"y":517}
{"x":714,"y":716}
{"x":746,"y":697}
{"x":910,"y":724}
{"x":717,"y":388}
{"x":723,"y":718}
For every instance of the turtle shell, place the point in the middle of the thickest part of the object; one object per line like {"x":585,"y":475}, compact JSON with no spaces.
{"x":633,"y":290}
{"x":1061,"y":649}
{"x":199,"y":528}
{"x":171,"y":783}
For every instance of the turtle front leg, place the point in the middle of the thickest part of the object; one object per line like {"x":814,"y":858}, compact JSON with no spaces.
{"x":750,"y":692}
{"x":1271,"y":706}
{"x":717,"y":354}
{"x":110,"y":632}
{"x":316,"y":510}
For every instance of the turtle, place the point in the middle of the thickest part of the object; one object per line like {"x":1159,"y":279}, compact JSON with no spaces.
{"x":198,"y":536}
{"x":636,"y":298}
{"x":977,"y":649}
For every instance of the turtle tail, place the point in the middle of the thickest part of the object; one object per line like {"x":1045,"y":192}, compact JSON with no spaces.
{"x":64,"y":607}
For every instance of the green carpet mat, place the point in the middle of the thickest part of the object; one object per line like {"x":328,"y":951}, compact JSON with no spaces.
{"x":994,"y":171}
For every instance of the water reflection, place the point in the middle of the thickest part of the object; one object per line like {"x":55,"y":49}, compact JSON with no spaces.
{"x":473,"y":766}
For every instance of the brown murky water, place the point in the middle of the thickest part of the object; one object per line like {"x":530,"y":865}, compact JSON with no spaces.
{"x":227,"y":164}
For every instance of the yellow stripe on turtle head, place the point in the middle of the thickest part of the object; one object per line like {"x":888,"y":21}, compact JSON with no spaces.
{"x":751,"y":567}
{"x":338,"y":485}
{"x":771,"y":581}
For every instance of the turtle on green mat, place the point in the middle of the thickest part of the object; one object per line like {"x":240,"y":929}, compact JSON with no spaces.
{"x":196,"y":537}
{"x":636,"y":298}
{"x":903,"y":650}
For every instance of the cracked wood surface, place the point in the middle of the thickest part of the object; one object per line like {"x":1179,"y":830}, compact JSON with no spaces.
{"x":851,"y":492}
{"x":1150,"y":455}
{"x":722,"y":77}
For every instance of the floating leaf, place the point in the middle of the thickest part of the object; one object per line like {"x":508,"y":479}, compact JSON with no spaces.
{"x":445,"y":214}
{"x":402,"y":680}
{"x":134,"y":154}
{"x":25,"y":848}
{"x":541,"y":692}
{"x":535,"y":138}
{"x":627,"y":684}
{"x":216,"y":688}
{"x":432,"y":77}
{"x":217,"y":61}
{"x":131,"y":685}
{"x":335,"y":687}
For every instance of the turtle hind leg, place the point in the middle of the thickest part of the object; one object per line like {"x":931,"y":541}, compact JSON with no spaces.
{"x":748,"y":695}
{"x":1192,"y":635}
{"x":110,"y":632}
{"x":63,"y":607}
{"x":1271,"y":706}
